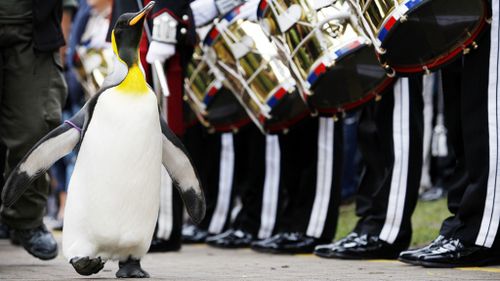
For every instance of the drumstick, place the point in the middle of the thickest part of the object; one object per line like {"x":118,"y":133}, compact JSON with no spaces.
{"x":162,"y":78}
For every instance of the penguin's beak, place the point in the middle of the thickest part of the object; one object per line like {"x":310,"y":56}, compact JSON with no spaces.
{"x":141,"y":14}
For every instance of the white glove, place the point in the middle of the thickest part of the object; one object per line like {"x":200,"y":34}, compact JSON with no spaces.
{"x":159,"y":51}
{"x":203,"y":11}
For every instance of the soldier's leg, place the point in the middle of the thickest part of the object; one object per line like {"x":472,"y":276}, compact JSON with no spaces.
{"x":33,"y":92}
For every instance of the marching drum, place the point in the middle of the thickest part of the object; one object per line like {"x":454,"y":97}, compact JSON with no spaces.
{"x":330,"y":56}
{"x":213,"y":103}
{"x":413,"y":36}
{"x":253,"y":68}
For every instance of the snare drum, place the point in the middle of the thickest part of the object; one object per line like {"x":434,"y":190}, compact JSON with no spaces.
{"x":330,"y":56}
{"x":253,"y":68}
{"x":214,"y":104}
{"x":413,"y":36}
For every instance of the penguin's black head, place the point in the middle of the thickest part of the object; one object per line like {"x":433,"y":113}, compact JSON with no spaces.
{"x":127,"y":34}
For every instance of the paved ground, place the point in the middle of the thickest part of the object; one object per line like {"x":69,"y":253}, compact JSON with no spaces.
{"x":201,"y":262}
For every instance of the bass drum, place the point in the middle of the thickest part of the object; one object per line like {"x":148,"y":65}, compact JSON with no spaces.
{"x":214,"y":104}
{"x":257,"y":73}
{"x":413,"y":36}
{"x":330,"y":56}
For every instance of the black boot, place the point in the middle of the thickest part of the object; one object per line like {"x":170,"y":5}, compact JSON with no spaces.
{"x":38,"y":241}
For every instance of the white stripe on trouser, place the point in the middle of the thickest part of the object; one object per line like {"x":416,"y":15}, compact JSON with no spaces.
{"x":271,"y":187}
{"x":324,"y":175}
{"x":401,"y":140}
{"x":225,"y":184}
{"x":491,"y":214}
{"x":165,"y":217}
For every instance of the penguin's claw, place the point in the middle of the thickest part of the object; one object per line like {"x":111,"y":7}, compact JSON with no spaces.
{"x":131,"y":269}
{"x":86,"y":265}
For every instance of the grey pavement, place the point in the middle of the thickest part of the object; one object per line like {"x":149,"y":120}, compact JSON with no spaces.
{"x":200,"y":262}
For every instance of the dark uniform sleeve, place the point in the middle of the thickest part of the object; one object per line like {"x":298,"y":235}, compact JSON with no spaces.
{"x":181,"y":11}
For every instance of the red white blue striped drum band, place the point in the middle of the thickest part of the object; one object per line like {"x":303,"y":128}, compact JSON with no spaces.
{"x":262,"y":9}
{"x":321,"y":68}
{"x":214,"y":33}
{"x":402,"y":9}
{"x":276,"y":97}
{"x":210,"y":95}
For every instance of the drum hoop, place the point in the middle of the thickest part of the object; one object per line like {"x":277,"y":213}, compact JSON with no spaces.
{"x":393,"y":17}
{"x":375,"y":92}
{"x":232,"y":127}
{"x":213,"y":89}
{"x":329,"y":59}
{"x":262,"y":8}
{"x":277,"y":94}
{"x":282,"y":126}
{"x":372,"y":94}
{"x":227,"y":19}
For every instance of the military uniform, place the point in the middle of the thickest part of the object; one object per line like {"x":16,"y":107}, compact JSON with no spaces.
{"x":470,"y":236}
{"x":390,"y":138}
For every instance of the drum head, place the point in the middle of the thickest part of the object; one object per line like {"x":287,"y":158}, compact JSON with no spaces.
{"x":353,"y":80}
{"x":286,"y":113}
{"x":225,"y":113}
{"x":434,"y":32}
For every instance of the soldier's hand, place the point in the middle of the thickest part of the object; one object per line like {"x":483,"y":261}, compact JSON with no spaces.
{"x":159,"y":51}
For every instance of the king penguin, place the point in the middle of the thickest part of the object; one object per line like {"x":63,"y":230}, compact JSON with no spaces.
{"x":122,"y":144}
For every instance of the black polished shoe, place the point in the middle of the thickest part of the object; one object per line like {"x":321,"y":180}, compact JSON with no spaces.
{"x":191,"y":234}
{"x":328,"y":250}
{"x":361,"y":247}
{"x":412,"y":256}
{"x":38,"y":241}
{"x":287,"y":243}
{"x":161,"y":245}
{"x":453,"y":253}
{"x":231,"y":239}
{"x":4,"y":231}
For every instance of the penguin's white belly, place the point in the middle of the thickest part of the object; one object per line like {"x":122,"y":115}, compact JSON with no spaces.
{"x":113,"y":195}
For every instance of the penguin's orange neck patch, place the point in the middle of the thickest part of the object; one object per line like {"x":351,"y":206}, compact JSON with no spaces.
{"x":134,"y":83}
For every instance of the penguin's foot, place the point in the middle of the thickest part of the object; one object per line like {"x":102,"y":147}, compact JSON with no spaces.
{"x":86,"y":265}
{"x":131,"y":269}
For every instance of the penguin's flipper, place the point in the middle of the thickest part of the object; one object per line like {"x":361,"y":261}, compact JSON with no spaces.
{"x":181,"y":170}
{"x":55,"y":145}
